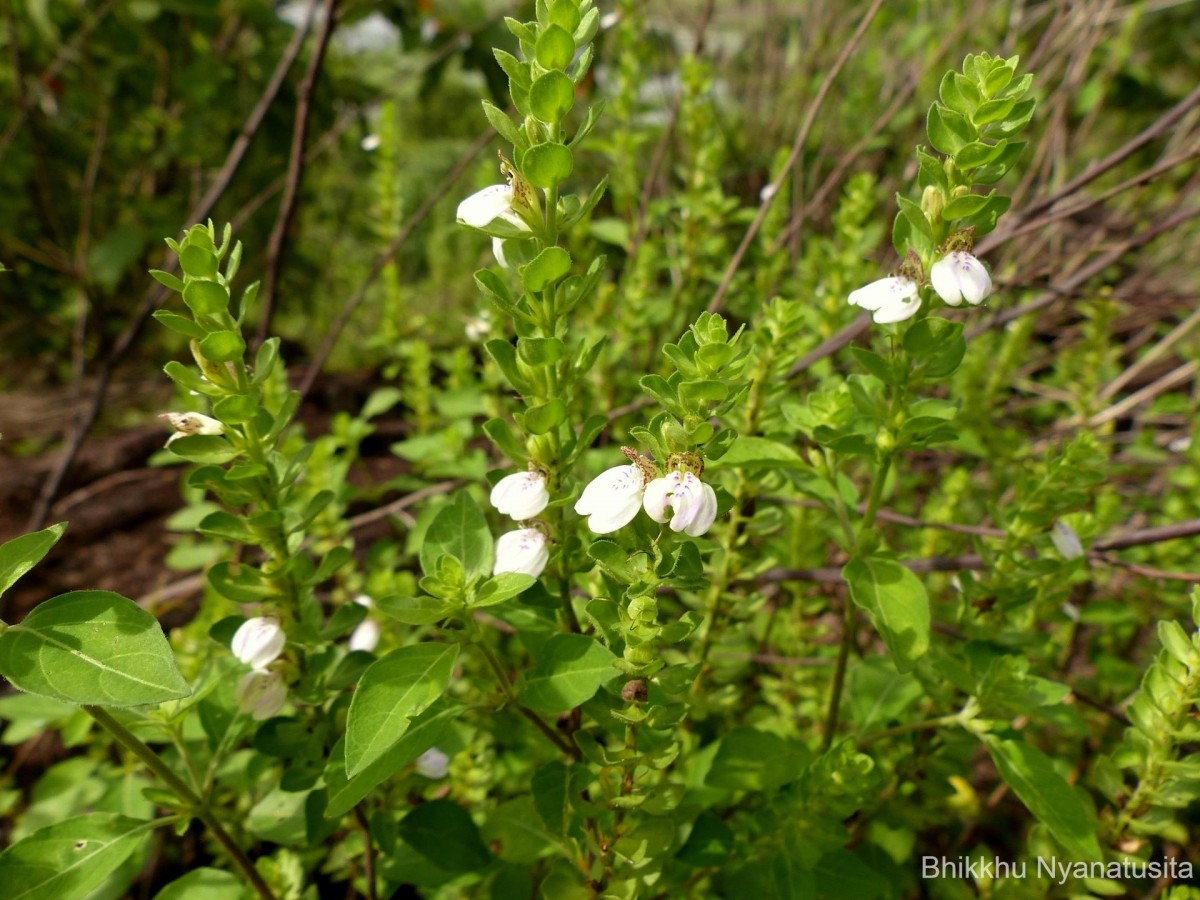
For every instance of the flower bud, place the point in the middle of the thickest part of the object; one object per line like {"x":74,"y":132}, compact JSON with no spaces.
{"x":365,"y":636}
{"x":1066,"y":541}
{"x":523,"y":551}
{"x":258,"y":642}
{"x":433,"y":763}
{"x":261,"y":694}
{"x":692,"y":502}
{"x":612,"y":498}
{"x":521,"y":495}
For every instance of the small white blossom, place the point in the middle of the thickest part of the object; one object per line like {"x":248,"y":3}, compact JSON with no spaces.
{"x":959,"y":276}
{"x":693,"y":502}
{"x":370,"y":142}
{"x":523,"y":551}
{"x":189,"y":423}
{"x":261,"y":694}
{"x":258,"y":642}
{"x":478,"y":327}
{"x":1066,"y":541}
{"x":521,"y":495}
{"x":889,"y":300}
{"x":365,"y":600}
{"x":433,"y":763}
{"x":485,"y":206}
{"x":612,"y":499}
{"x":365,"y":636}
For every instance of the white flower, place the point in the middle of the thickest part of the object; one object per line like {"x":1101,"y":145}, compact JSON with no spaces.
{"x":1066,"y":541}
{"x":189,"y":423}
{"x":612,"y":499}
{"x":890,"y":300}
{"x":365,"y":636}
{"x":959,"y":276}
{"x":433,"y":763}
{"x":258,"y":642}
{"x":261,"y":694}
{"x":365,"y":600}
{"x":478,"y":327}
{"x":521,"y":496}
{"x":523,"y":551}
{"x":484,"y":207}
{"x":693,"y":502}
{"x":370,"y":142}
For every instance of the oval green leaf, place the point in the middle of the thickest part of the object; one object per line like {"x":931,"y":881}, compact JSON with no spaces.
{"x":92,"y":647}
{"x":897,"y":603}
{"x":70,"y":859}
{"x":569,"y":671}
{"x":391,"y":692}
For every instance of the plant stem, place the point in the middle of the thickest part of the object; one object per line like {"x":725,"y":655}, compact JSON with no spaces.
{"x":507,"y":686}
{"x":197,"y":805}
{"x":925,"y":725}
{"x":368,"y":851}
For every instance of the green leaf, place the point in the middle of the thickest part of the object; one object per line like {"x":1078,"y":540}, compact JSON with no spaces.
{"x":205,"y":884}
{"x":547,"y":165}
{"x":166,"y":279}
{"x":937,"y":345}
{"x":750,"y":452}
{"x":503,"y":587}
{"x":180,"y":324}
{"x":555,"y":48}
{"x":424,"y":732}
{"x":501,"y":434}
{"x":896,"y":601}
{"x":223,"y":346}
{"x":445,"y":834}
{"x":545,"y":418}
{"x":21,"y":554}
{"x":948,"y":131}
{"x":504,"y":125}
{"x":504,"y":355}
{"x":570,"y":669}
{"x":545,"y":269}
{"x":198,"y":262}
{"x":540,"y":351}
{"x":1033,"y":778}
{"x":753,"y":760}
{"x":93,"y":647}
{"x":206,"y":298}
{"x":966,"y":205}
{"x":391,"y":692}
{"x":459,"y":530}
{"x":564,"y":13}
{"x":420,"y":610}
{"x":70,"y":859}
{"x":203,"y":448}
{"x":551,"y":97}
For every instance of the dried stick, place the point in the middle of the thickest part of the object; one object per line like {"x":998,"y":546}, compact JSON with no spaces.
{"x":798,"y":145}
{"x":381,"y":261}
{"x":295,"y":169}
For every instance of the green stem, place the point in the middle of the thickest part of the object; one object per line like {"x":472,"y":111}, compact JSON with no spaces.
{"x":510,"y":695}
{"x":925,"y":725}
{"x":138,"y":748}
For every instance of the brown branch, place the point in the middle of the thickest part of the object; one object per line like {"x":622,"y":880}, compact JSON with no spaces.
{"x":660,"y":152}
{"x":798,"y":145}
{"x":384,"y":258}
{"x":295,"y":168}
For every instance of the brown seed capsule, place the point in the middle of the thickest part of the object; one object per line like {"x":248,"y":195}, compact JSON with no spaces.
{"x":634,"y":691}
